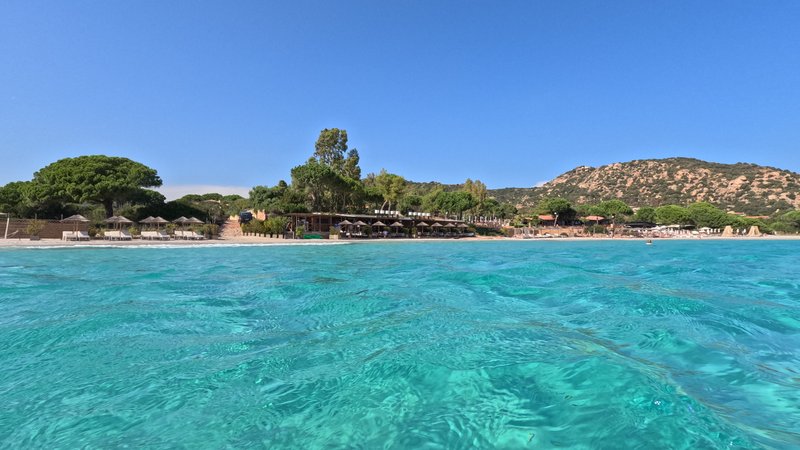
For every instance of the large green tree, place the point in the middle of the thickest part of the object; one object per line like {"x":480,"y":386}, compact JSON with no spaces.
{"x":94,"y":179}
{"x":391,"y":186}
{"x":560,"y":208}
{"x":14,"y":198}
{"x":672,"y":214}
{"x":645,"y":214}
{"x":704,"y":214}
{"x":331,"y":150}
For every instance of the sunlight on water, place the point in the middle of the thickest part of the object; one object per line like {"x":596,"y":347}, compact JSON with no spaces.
{"x":403,"y":345}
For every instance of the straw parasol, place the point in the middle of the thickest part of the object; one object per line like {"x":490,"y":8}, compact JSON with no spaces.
{"x":359,"y":223}
{"x":195,"y":220}
{"x":397,"y":226}
{"x":345,"y":222}
{"x":462,"y":225}
{"x":117,"y":220}
{"x":76,"y":219}
{"x":422,"y":224}
{"x":378,"y":224}
{"x":436,"y":225}
{"x":159,"y":221}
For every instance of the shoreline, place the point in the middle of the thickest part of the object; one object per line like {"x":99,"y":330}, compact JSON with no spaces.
{"x":265,"y":241}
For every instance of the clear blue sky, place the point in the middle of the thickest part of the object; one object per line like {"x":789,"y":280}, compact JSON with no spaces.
{"x":511,"y":93}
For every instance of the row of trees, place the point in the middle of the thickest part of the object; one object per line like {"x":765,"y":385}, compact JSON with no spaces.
{"x":99,"y":186}
{"x":330,"y":181}
{"x":701,"y":214}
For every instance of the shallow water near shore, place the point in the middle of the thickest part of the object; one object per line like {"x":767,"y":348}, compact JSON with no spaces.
{"x":403,"y":345}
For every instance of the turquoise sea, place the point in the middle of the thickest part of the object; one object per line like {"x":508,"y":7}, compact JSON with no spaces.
{"x":524,"y":344}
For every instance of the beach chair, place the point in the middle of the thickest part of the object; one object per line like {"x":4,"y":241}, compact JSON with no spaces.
{"x":125,"y":235}
{"x":67,"y":235}
{"x":149,"y":235}
{"x":83,"y":236}
{"x":162,"y":235}
{"x":110,"y":235}
{"x":194,"y":235}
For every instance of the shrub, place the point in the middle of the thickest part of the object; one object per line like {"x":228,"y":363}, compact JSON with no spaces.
{"x":300,"y":232}
{"x":595,"y":229}
{"x":35,"y":227}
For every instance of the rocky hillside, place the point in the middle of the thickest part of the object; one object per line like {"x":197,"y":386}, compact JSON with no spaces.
{"x":740,"y":187}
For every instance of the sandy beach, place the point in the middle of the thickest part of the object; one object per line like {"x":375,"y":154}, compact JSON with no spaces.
{"x":252,"y":240}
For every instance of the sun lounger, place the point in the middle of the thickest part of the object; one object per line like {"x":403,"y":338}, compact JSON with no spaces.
{"x":159,"y":235}
{"x":119,"y":235}
{"x":83,"y":236}
{"x":193,"y":235}
{"x":68,"y":236}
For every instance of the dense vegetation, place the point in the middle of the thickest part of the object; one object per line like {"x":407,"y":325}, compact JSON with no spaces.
{"x":670,"y":191}
{"x":330,"y":180}
{"x":617,"y":212}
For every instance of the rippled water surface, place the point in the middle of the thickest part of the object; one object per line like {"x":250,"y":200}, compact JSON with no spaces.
{"x":403,"y":345}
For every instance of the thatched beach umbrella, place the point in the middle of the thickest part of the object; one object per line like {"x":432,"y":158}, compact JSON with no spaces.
{"x":160,"y":221}
{"x":345,"y":222}
{"x":397,"y":226}
{"x":378,"y":224}
{"x":149,"y":220}
{"x":118,"y":221}
{"x":194,"y":220}
{"x":359,"y":223}
{"x":76,"y":219}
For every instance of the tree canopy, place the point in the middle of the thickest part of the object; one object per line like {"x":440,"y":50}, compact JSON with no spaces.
{"x":672,"y":214}
{"x":94,"y":179}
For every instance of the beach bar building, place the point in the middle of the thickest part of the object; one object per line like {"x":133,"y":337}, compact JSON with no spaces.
{"x":350,"y":225}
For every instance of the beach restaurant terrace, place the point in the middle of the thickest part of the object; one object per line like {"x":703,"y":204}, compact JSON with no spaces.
{"x":321,"y":223}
